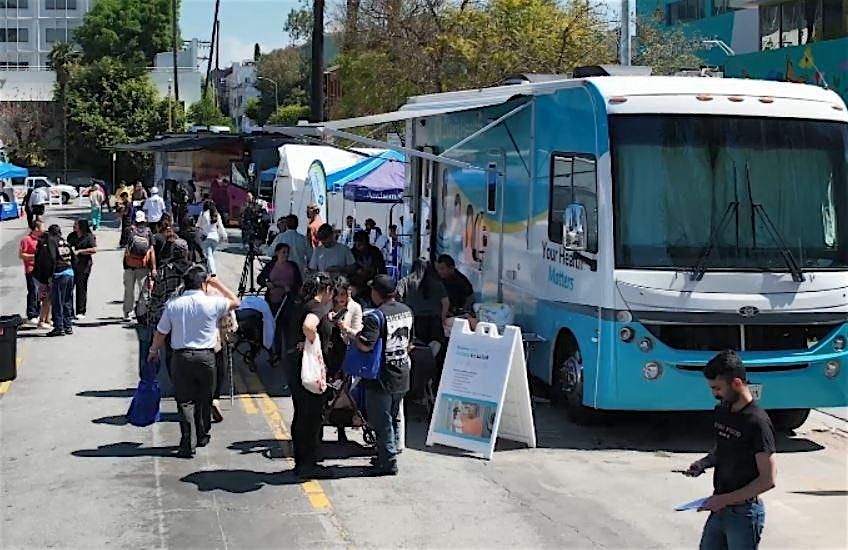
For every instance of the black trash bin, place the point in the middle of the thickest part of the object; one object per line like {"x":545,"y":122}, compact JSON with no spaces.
{"x":9,"y":346}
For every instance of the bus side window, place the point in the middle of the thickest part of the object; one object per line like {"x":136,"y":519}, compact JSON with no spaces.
{"x":573,"y":180}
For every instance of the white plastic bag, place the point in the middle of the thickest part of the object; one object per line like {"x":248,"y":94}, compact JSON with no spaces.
{"x":313,"y":373}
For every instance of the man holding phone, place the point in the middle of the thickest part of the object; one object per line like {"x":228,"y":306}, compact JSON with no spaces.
{"x":743,"y":458}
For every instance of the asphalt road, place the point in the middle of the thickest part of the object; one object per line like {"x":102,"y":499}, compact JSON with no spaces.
{"x":73,"y":474}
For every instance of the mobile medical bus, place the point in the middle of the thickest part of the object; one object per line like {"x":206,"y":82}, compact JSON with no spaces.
{"x":639,"y":224}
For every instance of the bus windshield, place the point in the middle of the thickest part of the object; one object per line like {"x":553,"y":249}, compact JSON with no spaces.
{"x":729,"y":193}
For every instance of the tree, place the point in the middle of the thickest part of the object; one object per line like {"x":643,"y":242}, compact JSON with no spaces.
{"x":298,"y":23}
{"x":257,"y":52}
{"x":64,"y":59}
{"x":666,"y":51}
{"x":288,"y":115}
{"x":133,"y":31}
{"x":27,"y":128}
{"x":109,"y":102}
{"x":206,"y":113}
{"x":287,"y":67}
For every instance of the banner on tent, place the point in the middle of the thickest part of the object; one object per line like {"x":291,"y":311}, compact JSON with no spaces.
{"x":318,"y":184}
{"x":484,"y":393}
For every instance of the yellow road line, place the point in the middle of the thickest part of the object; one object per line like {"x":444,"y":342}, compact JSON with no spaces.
{"x":245,"y":398}
{"x":4,"y":386}
{"x":313,"y":490}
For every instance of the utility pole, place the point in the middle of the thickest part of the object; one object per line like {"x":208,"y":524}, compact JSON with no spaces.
{"x":214,"y":36}
{"x":625,"y":50}
{"x":317,"y":107}
{"x":175,"y":46}
{"x":217,"y":45}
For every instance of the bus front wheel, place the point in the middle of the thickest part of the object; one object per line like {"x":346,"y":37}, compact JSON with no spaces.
{"x":567,"y":384}
{"x":787,"y":420}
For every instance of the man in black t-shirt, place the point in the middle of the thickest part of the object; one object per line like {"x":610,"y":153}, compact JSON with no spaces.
{"x":459,"y":289}
{"x":743,"y":458}
{"x":384,"y":395}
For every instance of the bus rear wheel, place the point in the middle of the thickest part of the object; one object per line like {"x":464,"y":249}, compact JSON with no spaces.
{"x":787,"y":420}
{"x":567,"y":384}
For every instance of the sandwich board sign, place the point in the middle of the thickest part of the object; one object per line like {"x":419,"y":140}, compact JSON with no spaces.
{"x":484,"y":393}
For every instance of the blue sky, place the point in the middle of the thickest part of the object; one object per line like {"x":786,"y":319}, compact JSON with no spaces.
{"x":243,"y":23}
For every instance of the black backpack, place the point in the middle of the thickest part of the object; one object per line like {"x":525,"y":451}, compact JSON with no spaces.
{"x":43,"y":269}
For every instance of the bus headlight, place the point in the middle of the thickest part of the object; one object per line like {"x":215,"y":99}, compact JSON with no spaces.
{"x":652,"y":370}
{"x":626,"y":334}
{"x":646,"y":344}
{"x":832,"y":368}
{"x":623,"y":316}
{"x":839,"y":343}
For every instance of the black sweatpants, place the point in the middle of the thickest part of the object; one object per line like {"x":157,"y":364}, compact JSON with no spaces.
{"x":307,"y":422}
{"x":81,"y":283}
{"x":193,"y":375}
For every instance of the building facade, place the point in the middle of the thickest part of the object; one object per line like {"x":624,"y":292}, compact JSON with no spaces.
{"x":795,"y":41}
{"x":240,"y":84}
{"x":29,"y":28}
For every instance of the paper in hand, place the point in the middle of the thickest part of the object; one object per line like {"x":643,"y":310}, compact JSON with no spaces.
{"x":694,"y":505}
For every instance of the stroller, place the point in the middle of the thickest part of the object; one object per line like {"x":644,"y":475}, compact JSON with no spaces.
{"x":345,"y":407}
{"x":249,"y":337}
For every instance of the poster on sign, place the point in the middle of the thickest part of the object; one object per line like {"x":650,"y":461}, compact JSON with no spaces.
{"x":484,"y":393}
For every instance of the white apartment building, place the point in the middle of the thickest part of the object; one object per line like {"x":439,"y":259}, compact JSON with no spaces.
{"x":240,"y":87}
{"x":29,"y":28}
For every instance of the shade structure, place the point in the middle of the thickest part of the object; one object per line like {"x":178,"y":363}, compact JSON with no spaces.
{"x":9,"y":170}
{"x":378,"y":179}
{"x":268,"y":175}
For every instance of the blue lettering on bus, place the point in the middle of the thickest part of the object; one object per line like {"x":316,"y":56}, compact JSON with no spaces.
{"x":560,"y":279}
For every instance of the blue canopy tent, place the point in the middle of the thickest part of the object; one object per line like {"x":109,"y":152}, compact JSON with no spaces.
{"x":268,"y":175}
{"x":9,"y":170}
{"x":378,"y":179}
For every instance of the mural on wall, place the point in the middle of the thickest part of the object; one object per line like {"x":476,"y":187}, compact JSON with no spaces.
{"x":824,"y":64}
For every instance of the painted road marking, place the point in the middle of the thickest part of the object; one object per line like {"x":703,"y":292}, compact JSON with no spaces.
{"x":4,"y":387}
{"x":245,"y":398}
{"x":313,"y":490}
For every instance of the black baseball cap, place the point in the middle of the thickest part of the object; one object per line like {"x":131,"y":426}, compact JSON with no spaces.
{"x":383,"y":284}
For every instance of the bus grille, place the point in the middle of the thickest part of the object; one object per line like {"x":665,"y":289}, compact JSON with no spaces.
{"x":752,"y":368}
{"x":741,"y":337}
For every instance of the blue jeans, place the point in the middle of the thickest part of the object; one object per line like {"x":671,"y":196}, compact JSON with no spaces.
{"x":33,"y":307}
{"x":382,"y":409}
{"x":209,"y":246}
{"x":736,"y":527}
{"x":63,"y":302}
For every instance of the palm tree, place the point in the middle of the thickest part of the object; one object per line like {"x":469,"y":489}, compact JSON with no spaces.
{"x":64,"y":59}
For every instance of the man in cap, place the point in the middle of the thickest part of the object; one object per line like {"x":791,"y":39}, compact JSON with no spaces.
{"x":383,"y":396}
{"x":154,"y":208}
{"x":192,"y":322}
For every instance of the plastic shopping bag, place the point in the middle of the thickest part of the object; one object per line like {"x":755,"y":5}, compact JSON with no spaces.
{"x":144,"y":409}
{"x":313,"y":373}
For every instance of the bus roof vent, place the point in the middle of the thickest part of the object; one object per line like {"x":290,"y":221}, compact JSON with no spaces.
{"x":527,"y":78}
{"x":712,"y":72}
{"x":611,"y":70}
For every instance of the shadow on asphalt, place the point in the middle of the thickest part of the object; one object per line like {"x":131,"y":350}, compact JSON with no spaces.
{"x":125,"y":449}
{"x":837,"y":493}
{"x":127,"y":392}
{"x":121,"y":420}
{"x":269,"y":448}
{"x":247,"y":481}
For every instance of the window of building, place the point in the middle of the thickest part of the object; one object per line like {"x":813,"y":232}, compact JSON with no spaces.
{"x":720,"y":7}
{"x":56,"y":35}
{"x":12,"y":4}
{"x":60,"y":4}
{"x":684,"y":10}
{"x":13,"y":65}
{"x":834,"y":19}
{"x":801,"y":22}
{"x":14,"y":35}
{"x":573,"y":180}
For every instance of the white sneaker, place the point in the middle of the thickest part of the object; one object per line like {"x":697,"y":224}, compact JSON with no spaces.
{"x":33,"y":322}
{"x":126,"y":316}
{"x":80,"y":316}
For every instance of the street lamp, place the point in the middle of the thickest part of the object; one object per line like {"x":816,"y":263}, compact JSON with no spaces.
{"x":276,"y":90}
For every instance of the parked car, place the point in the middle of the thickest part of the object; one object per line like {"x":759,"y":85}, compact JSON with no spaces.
{"x":19,"y":187}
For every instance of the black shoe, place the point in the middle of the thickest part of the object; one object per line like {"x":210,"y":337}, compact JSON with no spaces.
{"x":216,"y":415}
{"x":204,"y":441}
{"x":185,"y":452}
{"x":69,"y":331}
{"x":55,"y":332}
{"x":381,"y":471}
{"x":342,"y":438}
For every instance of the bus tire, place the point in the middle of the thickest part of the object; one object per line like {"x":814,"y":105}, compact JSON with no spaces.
{"x":787,"y":420}
{"x":567,"y":382}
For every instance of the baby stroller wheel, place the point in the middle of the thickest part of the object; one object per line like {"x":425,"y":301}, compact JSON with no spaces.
{"x":369,"y":436}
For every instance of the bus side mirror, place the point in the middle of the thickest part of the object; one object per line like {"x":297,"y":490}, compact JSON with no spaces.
{"x":574,"y":227}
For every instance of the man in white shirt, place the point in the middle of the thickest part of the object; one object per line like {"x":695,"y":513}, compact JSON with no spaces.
{"x":299,"y":250}
{"x":331,"y":257}
{"x":351,"y":227}
{"x":154,"y":207}
{"x":375,"y":235}
{"x":192,"y":321}
{"x":38,"y":201}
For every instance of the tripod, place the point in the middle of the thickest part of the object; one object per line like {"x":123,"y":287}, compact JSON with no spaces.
{"x":247,"y":272}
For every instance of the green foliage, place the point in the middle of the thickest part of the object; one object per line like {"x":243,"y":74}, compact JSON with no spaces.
{"x":206,"y":113}
{"x":27,"y":128}
{"x":288,"y":115}
{"x":298,"y":23}
{"x":133,"y":31}
{"x":665,"y":50}
{"x":288,"y":68}
{"x":109,"y":103}
{"x":64,"y":59}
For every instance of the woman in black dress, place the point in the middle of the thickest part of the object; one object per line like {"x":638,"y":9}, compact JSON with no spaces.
{"x":84,"y":243}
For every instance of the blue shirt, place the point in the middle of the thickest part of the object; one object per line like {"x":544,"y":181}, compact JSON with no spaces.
{"x":67,"y":272}
{"x":192,"y":320}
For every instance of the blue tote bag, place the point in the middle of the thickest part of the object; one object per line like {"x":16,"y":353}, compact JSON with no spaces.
{"x":144,"y":409}
{"x":365,"y":364}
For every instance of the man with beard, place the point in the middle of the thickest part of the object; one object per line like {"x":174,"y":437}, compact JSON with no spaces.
{"x":743,"y":458}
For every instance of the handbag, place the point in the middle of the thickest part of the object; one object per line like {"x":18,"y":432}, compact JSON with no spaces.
{"x":144,"y":409}
{"x":313,"y":373}
{"x":365,"y":364}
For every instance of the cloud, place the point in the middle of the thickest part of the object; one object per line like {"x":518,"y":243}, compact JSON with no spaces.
{"x":235,"y":49}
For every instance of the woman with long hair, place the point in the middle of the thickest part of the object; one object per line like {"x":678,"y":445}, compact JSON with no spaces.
{"x":212,"y":233}
{"x":84,"y":244}
{"x":282,"y":279}
{"x":422,"y":290}
{"x":316,"y":301}
{"x":346,"y":312}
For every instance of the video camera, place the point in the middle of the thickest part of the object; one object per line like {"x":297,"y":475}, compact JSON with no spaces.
{"x":255,"y":224}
